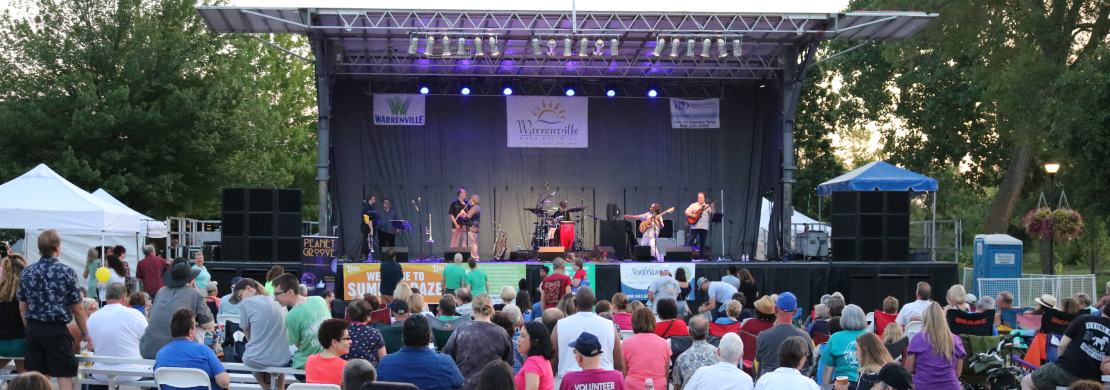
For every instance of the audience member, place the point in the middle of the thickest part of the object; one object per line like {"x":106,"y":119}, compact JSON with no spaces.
{"x":566,"y":305}
{"x":495,"y":375}
{"x":1105,"y":298}
{"x":116,"y":273}
{"x":603,"y":307}
{"x":749,"y":288}
{"x":733,"y":310}
{"x":401,"y":292}
{"x":836,"y":305}
{"x":400,"y":313}
{"x":30,"y":381}
{"x":185,"y":352}
{"x":272,"y":274}
{"x":895,"y":341}
{"x":768,"y":341}
{"x":150,"y":270}
{"x":726,"y":374}
{"x":556,"y":285}
{"x":357,"y":373}
{"x":1086,"y":385}
{"x":211,"y":299}
{"x":633,"y":305}
{"x":464,"y":304}
{"x":578,"y":267}
{"x":872,"y":355}
{"x":328,"y":296}
{"x":1083,"y":353}
{"x":684,"y":291}
{"x":476,"y":280}
{"x":367,"y":342}
{"x":719,"y":293}
{"x":90,"y":306}
{"x":49,"y":297}
{"x":1070,"y":305}
{"x":700,"y":354}
{"x":892,"y":377}
{"x":453,"y":275}
{"x":13,"y":337}
{"x":262,"y":321}
{"x":139,"y":301}
{"x":646,"y":355}
{"x":912,"y":311}
{"x":327,"y":366}
{"x":971,"y":300}
{"x":391,"y":275}
{"x":551,"y":318}
{"x":585,"y":321}
{"x":730,"y":277}
{"x":620,"y":311}
{"x":226,"y":307}
{"x":180,"y":292}
{"x":506,"y":322}
{"x":476,"y":343}
{"x":840,"y":357}
{"x":116,"y":330}
{"x":417,"y":364}
{"x":523,"y":301}
{"x":590,"y":372}
{"x":198,"y":264}
{"x":764,"y":317}
{"x":507,"y":294}
{"x":935,"y":356}
{"x":792,"y":357}
{"x":447,"y":308}
{"x":416,"y":305}
{"x":663,"y":287}
{"x":890,"y":305}
{"x":957,"y":298}
{"x":1046,"y":301}
{"x":669,"y":323}
{"x":92,"y":263}
{"x":302,"y":290}
{"x":535,"y":344}
{"x":302,"y":320}
{"x":820,"y":322}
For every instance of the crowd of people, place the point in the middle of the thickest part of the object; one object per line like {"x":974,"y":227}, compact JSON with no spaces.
{"x":567,"y":340}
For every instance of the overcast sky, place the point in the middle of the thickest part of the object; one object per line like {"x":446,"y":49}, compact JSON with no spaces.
{"x":817,"y":6}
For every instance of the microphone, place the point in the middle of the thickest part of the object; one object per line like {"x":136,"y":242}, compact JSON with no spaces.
{"x":552,"y":193}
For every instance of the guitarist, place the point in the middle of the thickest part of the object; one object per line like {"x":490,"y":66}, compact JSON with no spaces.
{"x":700,"y":213}
{"x":654,"y":218}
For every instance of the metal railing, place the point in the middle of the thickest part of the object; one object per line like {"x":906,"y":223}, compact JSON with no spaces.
{"x":1032,"y":286}
{"x":944,"y":243}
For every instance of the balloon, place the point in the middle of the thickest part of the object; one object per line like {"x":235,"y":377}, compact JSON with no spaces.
{"x":102,"y":274}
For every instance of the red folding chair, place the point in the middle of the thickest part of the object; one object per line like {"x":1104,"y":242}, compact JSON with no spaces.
{"x":721,"y":330}
{"x":749,"y":350}
{"x":883,"y":319}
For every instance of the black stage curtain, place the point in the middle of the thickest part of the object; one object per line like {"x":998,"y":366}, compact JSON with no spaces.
{"x":634,"y":158}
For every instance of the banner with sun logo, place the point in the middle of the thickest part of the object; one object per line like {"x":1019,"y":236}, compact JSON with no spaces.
{"x":547,"y":122}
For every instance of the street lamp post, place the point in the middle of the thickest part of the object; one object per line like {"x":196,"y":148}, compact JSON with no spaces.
{"x":1051,"y":167}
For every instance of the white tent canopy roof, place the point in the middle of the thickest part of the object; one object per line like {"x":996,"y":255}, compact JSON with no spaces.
{"x":154,"y":228}
{"x":41,"y":199}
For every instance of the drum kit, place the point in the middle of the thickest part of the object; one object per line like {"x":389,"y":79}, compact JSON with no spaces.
{"x":552,"y":228}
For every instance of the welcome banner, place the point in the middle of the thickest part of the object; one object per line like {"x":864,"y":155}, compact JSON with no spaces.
{"x":399,"y":109}
{"x":362,"y":278}
{"x":695,"y":114}
{"x":636,"y":278}
{"x":547,"y":122}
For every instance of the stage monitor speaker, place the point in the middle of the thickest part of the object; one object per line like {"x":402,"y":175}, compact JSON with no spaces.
{"x":604,"y":252}
{"x":548,"y":254}
{"x":401,"y":254}
{"x":449,"y":254}
{"x":642,"y":253}
{"x":678,"y":254}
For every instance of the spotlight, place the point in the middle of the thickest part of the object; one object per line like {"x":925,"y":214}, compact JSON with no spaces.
{"x":737,"y":51}
{"x":465,"y":90}
{"x":652,"y":93}
{"x":493,"y":49}
{"x":610,"y":93}
{"x":659,"y":47}
{"x":614,"y":46}
{"x":536,"y":46}
{"x":413,"y":43}
{"x":690,"y":47}
{"x":566,"y":47}
{"x":507,"y":91}
{"x":674,"y":47}
{"x":598,"y":45}
{"x":721,"y":47}
{"x":461,"y":49}
{"x":424,"y":90}
{"x":551,"y":47}
{"x":705,"y":45}
{"x":429,"y":45}
{"x":570,"y":91}
{"x":582,"y":45}
{"x":446,"y":45}
{"x":478,"y":47}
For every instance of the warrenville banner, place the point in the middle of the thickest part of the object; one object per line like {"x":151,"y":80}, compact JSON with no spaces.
{"x":591,"y":270}
{"x":362,"y":278}
{"x":547,"y":122}
{"x":318,"y":263}
{"x":695,"y":114}
{"x":636,"y":278}
{"x":399,"y":109}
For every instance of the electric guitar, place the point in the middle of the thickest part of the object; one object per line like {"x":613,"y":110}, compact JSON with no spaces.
{"x":645,"y":225}
{"x":697,"y":215}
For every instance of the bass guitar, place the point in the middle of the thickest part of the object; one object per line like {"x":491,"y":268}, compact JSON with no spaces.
{"x":645,"y":225}
{"x":697,"y":215}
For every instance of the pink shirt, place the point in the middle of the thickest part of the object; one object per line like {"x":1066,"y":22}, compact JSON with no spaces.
{"x":623,"y":320}
{"x":539,"y":366}
{"x":592,"y":379}
{"x":647,"y":356}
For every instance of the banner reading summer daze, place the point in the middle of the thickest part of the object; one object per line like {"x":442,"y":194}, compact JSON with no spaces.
{"x":399,"y":109}
{"x":591,"y":270}
{"x":318,"y":263}
{"x":547,"y":122}
{"x":362,"y":278}
{"x":695,"y":114}
{"x":636,"y":277}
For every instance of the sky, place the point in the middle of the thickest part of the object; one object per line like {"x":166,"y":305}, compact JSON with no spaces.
{"x":809,"y":6}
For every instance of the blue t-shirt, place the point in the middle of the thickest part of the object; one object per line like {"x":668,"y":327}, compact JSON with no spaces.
{"x":437,"y":371}
{"x":189,"y":354}
{"x":840,"y":353}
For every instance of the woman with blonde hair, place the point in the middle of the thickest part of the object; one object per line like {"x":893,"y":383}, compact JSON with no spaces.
{"x":477,"y":342}
{"x":957,"y":298}
{"x":12,"y":337}
{"x":92,"y":263}
{"x":566,"y":305}
{"x":895,"y":341}
{"x":90,"y":306}
{"x":872,"y":355}
{"x":508,"y":294}
{"x":935,"y":356}
{"x":401,"y":293}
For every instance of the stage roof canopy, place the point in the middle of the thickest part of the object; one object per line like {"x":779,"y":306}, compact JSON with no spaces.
{"x":879,"y":176}
{"x":563,"y":44}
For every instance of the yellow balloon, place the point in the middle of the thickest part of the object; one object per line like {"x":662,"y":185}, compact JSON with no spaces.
{"x":102,"y":275}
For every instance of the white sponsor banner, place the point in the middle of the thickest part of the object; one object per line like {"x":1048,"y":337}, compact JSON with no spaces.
{"x":637,"y":277}
{"x":547,"y":122}
{"x":399,"y":109}
{"x":695,"y":114}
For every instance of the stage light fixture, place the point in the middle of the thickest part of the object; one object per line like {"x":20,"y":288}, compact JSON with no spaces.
{"x":424,"y":90}
{"x":446,"y":46}
{"x":536,"y":47}
{"x":721,"y":48}
{"x":465,"y":90}
{"x":659,"y":47}
{"x":493,"y":49}
{"x":413,"y":43}
{"x":429,"y":45}
{"x":583,"y":47}
{"x":570,"y":91}
{"x":478,"y":47}
{"x":598,"y":45}
{"x":507,"y":91}
{"x":566,"y":47}
{"x":652,"y":93}
{"x":705,"y":45}
{"x":551,"y":46}
{"x":610,"y":93}
{"x":690,"y":45}
{"x":461,"y":49}
{"x":674,"y":47}
{"x":614,"y":46}
{"x":737,"y":50}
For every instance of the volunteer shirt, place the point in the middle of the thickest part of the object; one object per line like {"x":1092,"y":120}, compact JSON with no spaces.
{"x":303,"y":323}
{"x":115,"y":331}
{"x":1090,"y":344}
{"x":554,"y":287}
{"x":265,"y":318}
{"x":597,"y":378}
{"x":453,"y":276}
{"x":840,"y":353}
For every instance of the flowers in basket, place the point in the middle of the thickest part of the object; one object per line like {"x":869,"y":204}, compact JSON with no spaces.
{"x":1062,"y":224}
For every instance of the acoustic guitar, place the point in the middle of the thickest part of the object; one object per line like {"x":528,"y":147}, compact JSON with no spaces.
{"x":645,"y":225}
{"x":697,"y":215}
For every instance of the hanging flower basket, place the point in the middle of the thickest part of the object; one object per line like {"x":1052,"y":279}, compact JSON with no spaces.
{"x":1062,"y":224}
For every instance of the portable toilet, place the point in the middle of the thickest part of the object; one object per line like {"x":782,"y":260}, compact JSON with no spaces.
{"x":996,"y":256}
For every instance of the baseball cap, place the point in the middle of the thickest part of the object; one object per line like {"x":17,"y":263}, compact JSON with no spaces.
{"x":400,"y":307}
{"x":702,"y":280}
{"x":211,"y":286}
{"x":787,"y":302}
{"x":894,"y":375}
{"x":587,"y":344}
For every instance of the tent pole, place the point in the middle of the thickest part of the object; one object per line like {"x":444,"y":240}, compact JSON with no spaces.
{"x":934,"y":241}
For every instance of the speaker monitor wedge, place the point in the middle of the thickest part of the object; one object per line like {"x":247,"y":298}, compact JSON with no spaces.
{"x":449,"y":254}
{"x":678,"y":254}
{"x":548,"y":254}
{"x":401,"y":254}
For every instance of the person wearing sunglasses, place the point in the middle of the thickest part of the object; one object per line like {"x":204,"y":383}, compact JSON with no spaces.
{"x":327,"y":366}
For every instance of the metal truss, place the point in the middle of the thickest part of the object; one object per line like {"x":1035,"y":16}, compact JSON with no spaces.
{"x":635,"y":89}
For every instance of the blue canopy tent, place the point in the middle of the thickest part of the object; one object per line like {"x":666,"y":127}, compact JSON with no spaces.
{"x":881,"y":176}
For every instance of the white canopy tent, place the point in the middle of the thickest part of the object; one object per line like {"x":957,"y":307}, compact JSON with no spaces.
{"x":152,"y":228}
{"x":765,"y":220}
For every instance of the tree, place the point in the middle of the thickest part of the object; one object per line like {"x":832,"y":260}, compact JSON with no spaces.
{"x":817,"y":118}
{"x":139,"y":98}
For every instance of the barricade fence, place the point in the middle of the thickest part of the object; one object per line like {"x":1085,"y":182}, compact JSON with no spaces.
{"x":1032,"y":286}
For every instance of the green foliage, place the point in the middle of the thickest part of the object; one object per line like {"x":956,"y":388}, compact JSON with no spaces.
{"x":816,"y":120}
{"x":137,"y":97}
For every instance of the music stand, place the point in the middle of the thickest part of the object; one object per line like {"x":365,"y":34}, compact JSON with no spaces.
{"x":401,"y":225}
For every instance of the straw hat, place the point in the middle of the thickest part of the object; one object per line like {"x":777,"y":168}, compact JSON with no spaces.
{"x":1046,"y":300}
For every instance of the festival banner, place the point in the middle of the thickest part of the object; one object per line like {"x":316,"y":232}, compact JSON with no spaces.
{"x":362,"y":278}
{"x":547,"y":121}
{"x":695,"y":114}
{"x":591,"y":270}
{"x":318,"y":263}
{"x":501,"y":275}
{"x":399,"y":109}
{"x":637,"y":277}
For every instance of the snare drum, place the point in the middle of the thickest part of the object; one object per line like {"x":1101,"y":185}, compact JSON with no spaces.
{"x":566,"y":234}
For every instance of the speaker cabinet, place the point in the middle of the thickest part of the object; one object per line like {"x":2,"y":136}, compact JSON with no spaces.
{"x":449,"y":254}
{"x":548,"y":254}
{"x":870,"y":225}
{"x":642,"y":253}
{"x":615,"y":234}
{"x":401,"y":254}
{"x":261,"y":224}
{"x":678,"y":254}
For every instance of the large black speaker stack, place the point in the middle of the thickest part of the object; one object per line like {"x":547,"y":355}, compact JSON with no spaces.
{"x":870,"y":225}
{"x":261,"y":224}
{"x":615,"y":234}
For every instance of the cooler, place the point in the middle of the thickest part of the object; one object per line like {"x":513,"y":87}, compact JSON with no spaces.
{"x":996,"y":256}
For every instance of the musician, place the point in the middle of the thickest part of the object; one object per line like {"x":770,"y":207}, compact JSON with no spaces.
{"x":369,"y":223}
{"x":474,"y":215}
{"x":387,"y":233}
{"x":699,"y":230}
{"x":561,"y":213}
{"x":457,"y":217}
{"x":655,"y":217}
